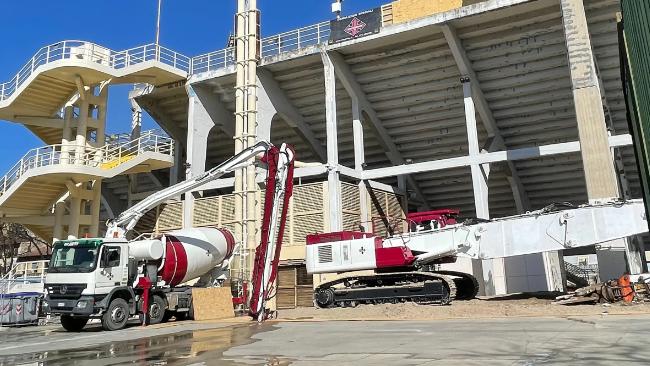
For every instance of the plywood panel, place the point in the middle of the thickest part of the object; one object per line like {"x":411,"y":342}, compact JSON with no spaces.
{"x":405,"y":10}
{"x":212,"y":303}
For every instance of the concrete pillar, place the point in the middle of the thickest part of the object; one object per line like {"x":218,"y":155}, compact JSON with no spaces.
{"x":479,"y":178}
{"x":82,"y":131}
{"x":74,"y":217}
{"x":95,"y":207}
{"x":359,"y":162}
{"x":333,"y":180}
{"x":600,"y":176}
{"x":199,"y":124}
{"x":59,"y":211}
{"x":100,"y":141}
{"x":175,"y":169}
{"x":67,"y":134}
{"x":266,"y":110}
{"x":492,"y":272}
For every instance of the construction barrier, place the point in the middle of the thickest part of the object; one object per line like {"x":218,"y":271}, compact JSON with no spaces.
{"x":21,"y":308}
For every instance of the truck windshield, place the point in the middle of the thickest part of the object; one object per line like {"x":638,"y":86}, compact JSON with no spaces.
{"x":73,"y":257}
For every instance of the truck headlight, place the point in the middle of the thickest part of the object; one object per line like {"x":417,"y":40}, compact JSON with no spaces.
{"x":82,"y":304}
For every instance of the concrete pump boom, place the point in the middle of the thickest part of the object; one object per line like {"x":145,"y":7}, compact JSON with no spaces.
{"x":126,"y":221}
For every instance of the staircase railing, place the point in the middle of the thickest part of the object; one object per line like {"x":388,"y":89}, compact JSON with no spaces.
{"x":106,"y":157}
{"x":23,"y":273}
{"x":81,"y":50}
{"x":584,"y":273}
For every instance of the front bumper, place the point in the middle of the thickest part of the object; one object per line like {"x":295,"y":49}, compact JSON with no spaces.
{"x":83,"y":306}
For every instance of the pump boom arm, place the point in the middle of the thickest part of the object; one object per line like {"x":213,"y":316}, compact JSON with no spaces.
{"x":127,"y":220}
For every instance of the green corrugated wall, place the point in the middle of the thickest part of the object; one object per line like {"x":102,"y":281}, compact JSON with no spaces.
{"x":635,"y":37}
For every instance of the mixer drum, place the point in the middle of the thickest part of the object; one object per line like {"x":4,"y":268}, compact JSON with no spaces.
{"x":190,"y":253}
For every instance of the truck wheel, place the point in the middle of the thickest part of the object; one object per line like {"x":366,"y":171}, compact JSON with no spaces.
{"x":72,"y":324}
{"x":168,"y":315}
{"x":157,"y":310}
{"x":116,"y":315}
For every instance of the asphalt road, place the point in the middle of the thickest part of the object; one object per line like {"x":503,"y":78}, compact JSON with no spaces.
{"x":603,"y":340}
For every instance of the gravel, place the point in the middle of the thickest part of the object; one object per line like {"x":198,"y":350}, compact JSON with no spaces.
{"x":471,"y":309}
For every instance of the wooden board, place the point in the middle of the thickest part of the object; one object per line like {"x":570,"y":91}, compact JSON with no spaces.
{"x":212,"y":303}
{"x":405,"y":10}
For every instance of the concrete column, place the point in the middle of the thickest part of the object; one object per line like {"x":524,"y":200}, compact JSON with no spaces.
{"x":598,"y":165}
{"x":333,"y":181}
{"x":59,"y":211}
{"x":492,"y":271}
{"x":100,"y":141}
{"x":174,"y":170}
{"x":67,"y":134}
{"x":136,"y":118}
{"x":479,"y":179}
{"x":74,"y":218}
{"x":266,"y":110}
{"x":82,"y":131}
{"x":199,"y":124}
{"x":359,"y":162}
{"x":95,"y":207}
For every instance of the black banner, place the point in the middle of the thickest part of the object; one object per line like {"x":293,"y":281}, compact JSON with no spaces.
{"x":355,"y":26}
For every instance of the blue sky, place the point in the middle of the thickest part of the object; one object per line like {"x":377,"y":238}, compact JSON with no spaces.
{"x":191,"y":27}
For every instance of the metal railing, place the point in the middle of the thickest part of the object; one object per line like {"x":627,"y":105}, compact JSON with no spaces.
{"x":107,"y":157}
{"x":23,"y":273}
{"x":81,"y":50}
{"x":271,"y":46}
{"x":587,"y":274}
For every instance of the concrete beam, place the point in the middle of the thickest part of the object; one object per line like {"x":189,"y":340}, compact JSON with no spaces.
{"x":164,"y":121}
{"x":273,"y":99}
{"x":353,"y":88}
{"x":223,"y":118}
{"x":199,"y":124}
{"x":491,"y":157}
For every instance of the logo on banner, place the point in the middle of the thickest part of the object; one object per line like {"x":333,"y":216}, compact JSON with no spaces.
{"x":355,"y":27}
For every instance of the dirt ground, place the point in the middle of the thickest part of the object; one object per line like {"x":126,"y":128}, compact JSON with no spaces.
{"x":472,"y":309}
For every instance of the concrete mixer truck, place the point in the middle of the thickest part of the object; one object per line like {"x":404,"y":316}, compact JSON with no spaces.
{"x":113,"y":279}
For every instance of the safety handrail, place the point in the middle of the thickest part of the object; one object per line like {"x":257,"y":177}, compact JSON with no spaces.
{"x":271,"y":46}
{"x":66,"y":154}
{"x":11,"y":276}
{"x":294,"y":40}
{"x":82,"y":50}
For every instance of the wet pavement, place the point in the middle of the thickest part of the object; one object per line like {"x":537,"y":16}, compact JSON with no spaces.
{"x":602,"y":340}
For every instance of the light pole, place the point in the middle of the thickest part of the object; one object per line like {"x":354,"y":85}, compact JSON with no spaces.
{"x":337,"y":6}
{"x":158,"y":24}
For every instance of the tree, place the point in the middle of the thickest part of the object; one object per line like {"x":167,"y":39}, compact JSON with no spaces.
{"x":15,"y":240}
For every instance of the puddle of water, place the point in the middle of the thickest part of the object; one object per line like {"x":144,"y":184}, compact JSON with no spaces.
{"x":199,"y":347}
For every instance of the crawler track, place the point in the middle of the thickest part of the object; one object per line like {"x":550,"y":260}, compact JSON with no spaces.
{"x":440,"y":287}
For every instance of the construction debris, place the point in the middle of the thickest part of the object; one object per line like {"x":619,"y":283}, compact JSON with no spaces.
{"x":626,"y":289}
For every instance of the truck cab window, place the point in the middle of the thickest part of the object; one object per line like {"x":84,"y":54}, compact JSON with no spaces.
{"x":112,"y":257}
